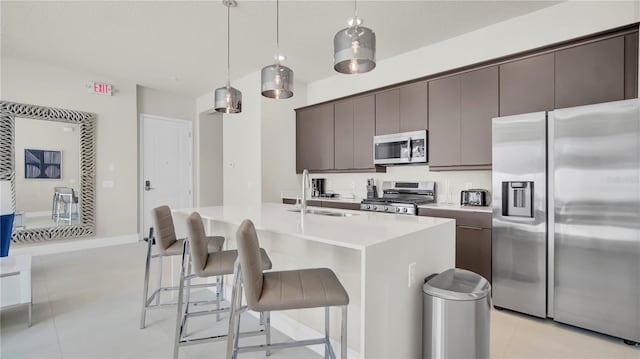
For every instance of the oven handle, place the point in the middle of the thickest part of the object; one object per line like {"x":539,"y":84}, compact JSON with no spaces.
{"x":410,"y":148}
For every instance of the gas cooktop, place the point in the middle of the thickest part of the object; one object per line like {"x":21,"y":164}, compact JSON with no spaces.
{"x":401,"y":197}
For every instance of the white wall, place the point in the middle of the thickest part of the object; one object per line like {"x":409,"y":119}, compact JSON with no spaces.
{"x":209,"y":168}
{"x":117,"y":208}
{"x":259,"y":144}
{"x":547,"y":26}
{"x":116,"y":145}
{"x":35,"y":195}
{"x":279,"y":143}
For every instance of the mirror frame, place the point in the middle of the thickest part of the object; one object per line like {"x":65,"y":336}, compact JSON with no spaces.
{"x":9,"y":111}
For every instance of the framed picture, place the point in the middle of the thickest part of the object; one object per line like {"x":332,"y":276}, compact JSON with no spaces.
{"x":42,"y":164}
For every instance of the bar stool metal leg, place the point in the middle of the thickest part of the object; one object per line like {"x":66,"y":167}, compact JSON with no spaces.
{"x":188,"y":294}
{"x":267,"y":328}
{"x":343,"y":334}
{"x":218,"y":295}
{"x":326,"y":333}
{"x":234,"y":320}
{"x":160,"y":262}
{"x":145,"y":294}
{"x":179,"y":316}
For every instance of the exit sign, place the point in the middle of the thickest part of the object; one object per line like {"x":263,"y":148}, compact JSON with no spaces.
{"x":100,"y":88}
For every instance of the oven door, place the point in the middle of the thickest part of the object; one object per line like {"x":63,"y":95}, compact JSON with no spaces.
{"x":391,"y":149}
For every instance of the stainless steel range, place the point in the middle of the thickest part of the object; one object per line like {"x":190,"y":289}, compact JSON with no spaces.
{"x":401,"y":197}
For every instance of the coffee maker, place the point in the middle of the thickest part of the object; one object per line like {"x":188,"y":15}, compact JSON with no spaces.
{"x":317,"y":187}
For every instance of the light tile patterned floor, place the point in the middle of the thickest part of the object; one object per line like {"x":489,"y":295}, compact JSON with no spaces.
{"x":87,"y":305}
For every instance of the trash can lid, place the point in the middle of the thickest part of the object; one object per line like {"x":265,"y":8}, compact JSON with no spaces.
{"x":457,"y":284}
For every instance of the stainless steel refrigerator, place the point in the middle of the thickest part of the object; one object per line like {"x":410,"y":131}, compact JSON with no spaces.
{"x":566,"y":216}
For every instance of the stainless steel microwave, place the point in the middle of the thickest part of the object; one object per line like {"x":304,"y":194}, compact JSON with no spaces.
{"x":400,"y":148}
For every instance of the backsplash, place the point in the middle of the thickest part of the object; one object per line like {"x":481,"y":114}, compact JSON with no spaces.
{"x":448,"y":184}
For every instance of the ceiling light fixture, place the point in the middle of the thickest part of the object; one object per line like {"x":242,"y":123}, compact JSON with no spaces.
{"x":354,"y":47}
{"x":277,"y":79}
{"x":228,"y":99}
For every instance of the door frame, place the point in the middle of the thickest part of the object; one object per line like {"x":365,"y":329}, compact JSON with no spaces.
{"x":141,"y":121}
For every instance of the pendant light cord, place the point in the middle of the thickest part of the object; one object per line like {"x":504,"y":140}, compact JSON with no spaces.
{"x":355,"y":8}
{"x":228,"y":44}
{"x":278,"y":27}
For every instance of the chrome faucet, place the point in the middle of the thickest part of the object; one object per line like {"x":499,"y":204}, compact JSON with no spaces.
{"x":306,"y":183}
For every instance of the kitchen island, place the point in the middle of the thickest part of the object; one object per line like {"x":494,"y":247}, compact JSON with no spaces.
{"x":381,"y":259}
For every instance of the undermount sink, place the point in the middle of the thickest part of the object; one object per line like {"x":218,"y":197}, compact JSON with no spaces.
{"x":323,"y":212}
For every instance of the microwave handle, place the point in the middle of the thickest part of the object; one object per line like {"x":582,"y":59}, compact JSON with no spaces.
{"x":410,"y":143}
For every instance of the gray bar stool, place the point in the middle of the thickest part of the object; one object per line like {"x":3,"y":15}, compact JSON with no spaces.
{"x":284,"y":290}
{"x":165,"y":244}
{"x":206,"y":264}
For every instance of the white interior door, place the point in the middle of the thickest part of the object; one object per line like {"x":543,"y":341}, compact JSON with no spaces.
{"x":167,"y":165}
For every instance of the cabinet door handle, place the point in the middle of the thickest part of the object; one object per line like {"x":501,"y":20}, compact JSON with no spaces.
{"x":470,"y":227}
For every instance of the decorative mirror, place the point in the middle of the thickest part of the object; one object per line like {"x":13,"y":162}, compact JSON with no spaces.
{"x":48,"y":154}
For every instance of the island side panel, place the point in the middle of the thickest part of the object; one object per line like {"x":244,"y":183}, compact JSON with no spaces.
{"x":288,"y":252}
{"x":393,"y":308}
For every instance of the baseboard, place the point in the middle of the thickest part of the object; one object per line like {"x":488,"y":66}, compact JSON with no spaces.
{"x":40,"y":249}
{"x":296,"y":330}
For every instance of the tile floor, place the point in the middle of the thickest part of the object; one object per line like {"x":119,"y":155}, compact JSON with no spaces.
{"x":87,"y":305}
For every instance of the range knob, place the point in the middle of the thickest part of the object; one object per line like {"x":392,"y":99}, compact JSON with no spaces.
{"x":398,"y":209}
{"x":375,"y":208}
{"x":386,"y":209}
{"x":368,"y":206}
{"x":404,"y":210}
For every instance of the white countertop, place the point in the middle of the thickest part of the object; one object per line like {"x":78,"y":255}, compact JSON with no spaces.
{"x":457,"y":207}
{"x":357,"y":232}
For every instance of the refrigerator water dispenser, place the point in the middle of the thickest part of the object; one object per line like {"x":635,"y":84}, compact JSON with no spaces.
{"x":517,"y":199}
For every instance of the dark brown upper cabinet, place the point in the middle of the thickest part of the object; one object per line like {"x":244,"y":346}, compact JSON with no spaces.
{"x":354,"y":131}
{"x":460,"y":111}
{"x":527,"y":85}
{"x":631,"y":66}
{"x":388,"y":112}
{"x":479,"y":105}
{"x":343,"y":134}
{"x":444,"y":121}
{"x":402,"y":109}
{"x":314,"y":138}
{"x":414,"y":107}
{"x":590,"y":73}
{"x":364,"y":124}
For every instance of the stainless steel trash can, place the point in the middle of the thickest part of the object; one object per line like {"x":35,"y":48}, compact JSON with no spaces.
{"x":456,"y":309}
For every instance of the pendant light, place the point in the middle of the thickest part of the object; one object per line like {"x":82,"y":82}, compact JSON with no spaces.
{"x":227,"y":98}
{"x":354,"y":47}
{"x":277,"y":79}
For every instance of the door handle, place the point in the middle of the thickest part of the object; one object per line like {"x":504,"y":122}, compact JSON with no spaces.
{"x":470,"y":227}
{"x":147,"y":185}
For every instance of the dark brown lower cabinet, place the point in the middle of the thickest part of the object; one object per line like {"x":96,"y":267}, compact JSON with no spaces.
{"x":312,"y":203}
{"x":473,"y":250}
{"x":473,"y":238}
{"x":325,"y":204}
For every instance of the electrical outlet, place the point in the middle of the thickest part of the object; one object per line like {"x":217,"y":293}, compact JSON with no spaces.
{"x":411,"y":274}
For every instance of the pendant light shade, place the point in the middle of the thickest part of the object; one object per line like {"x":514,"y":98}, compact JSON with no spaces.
{"x":354,"y":47}
{"x":228,"y":99}
{"x":277,"y":79}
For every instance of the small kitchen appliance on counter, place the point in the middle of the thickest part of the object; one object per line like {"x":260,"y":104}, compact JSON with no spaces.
{"x":475,"y":197}
{"x":317,"y":187}
{"x":401,"y":197}
{"x":372,"y":189}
